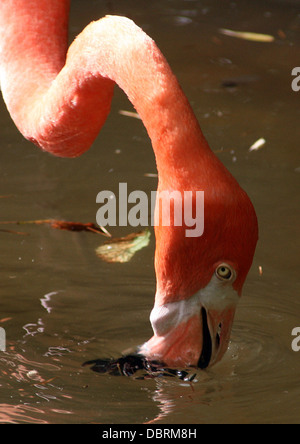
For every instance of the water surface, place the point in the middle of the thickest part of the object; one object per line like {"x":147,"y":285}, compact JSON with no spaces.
{"x":61,"y":305}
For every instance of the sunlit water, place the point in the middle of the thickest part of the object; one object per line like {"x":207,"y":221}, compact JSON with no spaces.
{"x":61,"y":305}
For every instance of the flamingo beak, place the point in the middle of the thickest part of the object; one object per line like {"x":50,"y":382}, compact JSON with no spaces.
{"x":196,"y":337}
{"x":216,"y":329}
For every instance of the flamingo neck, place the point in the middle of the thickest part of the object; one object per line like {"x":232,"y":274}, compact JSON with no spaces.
{"x":60,"y":103}
{"x":33,"y":46}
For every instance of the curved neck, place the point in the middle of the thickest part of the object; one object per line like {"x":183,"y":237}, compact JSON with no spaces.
{"x":33,"y":46}
{"x":62,"y":104}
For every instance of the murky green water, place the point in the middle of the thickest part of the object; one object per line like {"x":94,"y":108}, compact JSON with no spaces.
{"x":61,"y":305}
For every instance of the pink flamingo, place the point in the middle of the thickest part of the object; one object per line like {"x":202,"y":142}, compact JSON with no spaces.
{"x":60,"y":99}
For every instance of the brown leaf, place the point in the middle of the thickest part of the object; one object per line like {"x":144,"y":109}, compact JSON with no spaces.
{"x":4,"y":320}
{"x":62,"y":225}
{"x":15,"y":232}
{"x":78,"y":226}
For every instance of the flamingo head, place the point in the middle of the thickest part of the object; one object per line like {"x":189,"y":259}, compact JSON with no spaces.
{"x":200,"y":279}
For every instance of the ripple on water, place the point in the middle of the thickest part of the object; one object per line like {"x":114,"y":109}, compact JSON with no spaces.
{"x":18,"y":414}
{"x":24,"y":382}
{"x":258,"y":361}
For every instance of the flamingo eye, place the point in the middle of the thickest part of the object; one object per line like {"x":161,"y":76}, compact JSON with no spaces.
{"x":224,"y":272}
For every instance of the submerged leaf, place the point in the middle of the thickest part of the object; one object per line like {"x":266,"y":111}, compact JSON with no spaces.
{"x":123,"y":249}
{"x":233,"y":82}
{"x":252,"y":36}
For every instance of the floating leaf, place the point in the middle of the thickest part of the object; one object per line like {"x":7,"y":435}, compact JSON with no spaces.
{"x":14,"y":232}
{"x":5,"y":320}
{"x":63,"y":225}
{"x":151,"y":175}
{"x":258,"y":144}
{"x":78,"y":226}
{"x":123,"y":249}
{"x":251,"y":36}
{"x":129,"y":114}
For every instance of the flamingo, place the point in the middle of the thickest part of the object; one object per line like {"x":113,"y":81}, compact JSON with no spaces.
{"x":59,"y":98}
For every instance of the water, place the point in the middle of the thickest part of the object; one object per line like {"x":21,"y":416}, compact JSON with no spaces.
{"x":61,"y":305}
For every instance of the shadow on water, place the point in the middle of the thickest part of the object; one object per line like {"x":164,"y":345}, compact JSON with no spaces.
{"x":60,"y":305}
